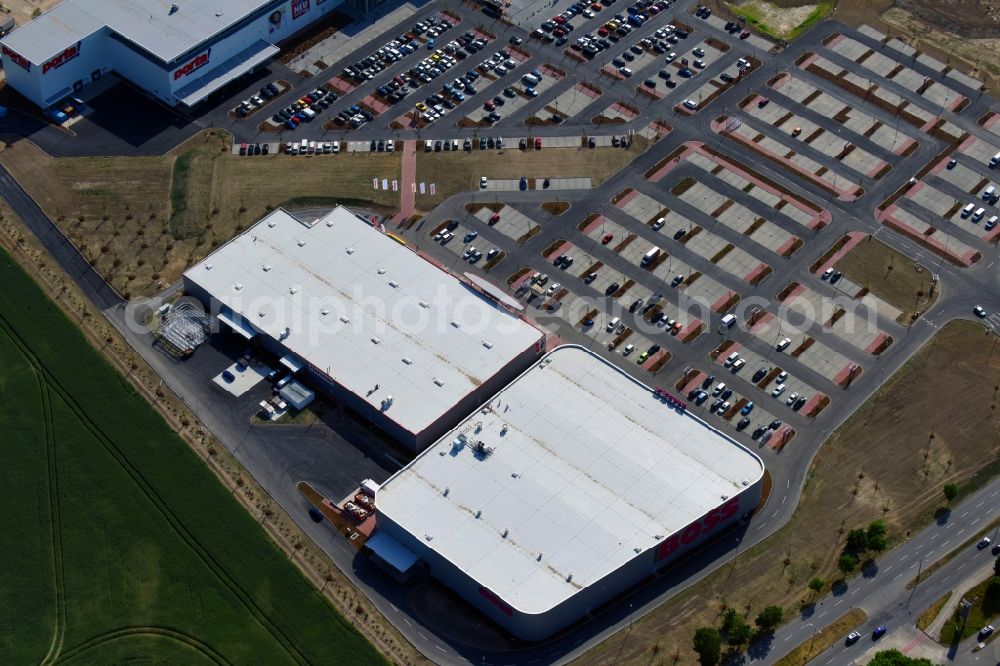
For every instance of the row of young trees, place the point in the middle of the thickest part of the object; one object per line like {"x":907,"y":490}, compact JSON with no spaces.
{"x":861,"y":542}
{"x":707,"y":642}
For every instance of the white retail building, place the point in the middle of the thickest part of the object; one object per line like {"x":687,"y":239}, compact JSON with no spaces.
{"x":365,"y":320}
{"x":178,"y":51}
{"x":572,"y":484}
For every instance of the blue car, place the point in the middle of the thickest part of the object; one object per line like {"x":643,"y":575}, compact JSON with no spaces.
{"x":523,"y":184}
{"x":878,"y":632}
{"x":747,"y":408}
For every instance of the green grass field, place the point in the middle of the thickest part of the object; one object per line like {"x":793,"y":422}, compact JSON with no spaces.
{"x":118,"y":543}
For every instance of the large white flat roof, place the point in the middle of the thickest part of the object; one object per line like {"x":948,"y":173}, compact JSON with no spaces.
{"x":591,"y":467}
{"x":147,"y":23}
{"x":366,"y":311}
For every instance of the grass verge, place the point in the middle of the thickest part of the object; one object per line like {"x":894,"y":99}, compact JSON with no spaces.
{"x":824,"y":639}
{"x":126,"y":532}
{"x":141,"y":221}
{"x":951,"y":554}
{"x":926,"y":618}
{"x":985,"y":598}
{"x":780,"y":22}
{"x":889,"y":275}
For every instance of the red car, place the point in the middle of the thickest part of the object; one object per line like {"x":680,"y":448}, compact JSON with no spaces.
{"x":489,"y":106}
{"x":494,"y":218}
{"x":538,"y":143}
{"x":558,"y":19}
{"x":607,"y":238}
{"x":602,"y":31}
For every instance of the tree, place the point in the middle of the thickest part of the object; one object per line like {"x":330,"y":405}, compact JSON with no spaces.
{"x":847,"y":563}
{"x":857,"y":541}
{"x":896,"y":658}
{"x":769,"y":618}
{"x":738,"y":632}
{"x":876,"y":536}
{"x":996,"y":566}
{"x":708,"y":644}
{"x":817,"y":585}
{"x":950,"y":492}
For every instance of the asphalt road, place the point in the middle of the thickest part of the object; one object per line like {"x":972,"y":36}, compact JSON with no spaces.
{"x":882,"y":592}
{"x":338,"y":455}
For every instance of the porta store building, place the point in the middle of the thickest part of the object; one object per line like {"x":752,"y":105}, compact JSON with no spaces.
{"x":178,"y":52}
{"x":568,"y":487}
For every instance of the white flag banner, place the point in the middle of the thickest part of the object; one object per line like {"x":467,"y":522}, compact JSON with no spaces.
{"x":433,"y":188}
{"x":375,"y":183}
{"x":423,"y":188}
{"x":413,"y":187}
{"x":395,"y":186}
{"x":385,"y":184}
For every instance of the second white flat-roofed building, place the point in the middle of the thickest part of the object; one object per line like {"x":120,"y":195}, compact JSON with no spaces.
{"x":572,"y":484}
{"x":366,"y":320}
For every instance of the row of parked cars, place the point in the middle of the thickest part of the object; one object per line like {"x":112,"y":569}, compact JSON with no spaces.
{"x":305,"y":109}
{"x":267,"y":92}
{"x":393,"y":51}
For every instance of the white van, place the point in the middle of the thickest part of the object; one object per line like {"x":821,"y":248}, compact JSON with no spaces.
{"x":992,"y":222}
{"x":989,"y":191}
{"x":650,"y":256}
{"x":967,"y":211}
{"x":978,"y":215}
{"x":614,"y":322}
{"x":732,"y":358}
{"x":727,"y":323}
{"x":995,"y":161}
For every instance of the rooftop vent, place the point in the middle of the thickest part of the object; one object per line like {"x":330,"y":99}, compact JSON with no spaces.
{"x":173,"y":8}
{"x":237,"y":286}
{"x":456,"y":324}
{"x":505,"y":533}
{"x":376,"y":339}
{"x":393,"y":284}
{"x":271,"y":224}
{"x":325,"y":311}
{"x":265,"y":268}
{"x":745,"y":482}
{"x":424,"y":304}
{"x":407,"y":361}
{"x":381,"y":271}
{"x":569,"y":578}
{"x":487,"y":344}
{"x":218,"y":13}
{"x":293,"y":290}
{"x":438,"y":382}
{"x":301,"y":243}
{"x":208,"y":267}
{"x":344,"y":319}
{"x":428,"y":537}
{"x":539,"y":558}
{"x":479,"y":513}
{"x":725,"y":497}
{"x":446,"y":491}
{"x":350,"y":250}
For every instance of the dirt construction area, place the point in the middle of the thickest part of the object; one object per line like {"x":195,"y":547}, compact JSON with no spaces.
{"x":885,"y":462}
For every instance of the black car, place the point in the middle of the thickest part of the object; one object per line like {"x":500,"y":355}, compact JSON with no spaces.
{"x":758,"y":432}
{"x":523,"y":144}
{"x":635,"y":305}
{"x":708,"y":381}
{"x":468,"y":145}
{"x":372,"y":146}
{"x":744,"y":422}
{"x":799,"y":402}
{"x":612,"y":288}
{"x":652,"y":350}
{"x":759,"y":375}
{"x":679,"y":234}
{"x":775,"y":424}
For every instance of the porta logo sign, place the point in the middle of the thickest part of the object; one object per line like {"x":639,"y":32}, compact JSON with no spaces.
{"x":62,"y":58}
{"x":707,"y":524}
{"x":195,"y":63}
{"x":17,"y":58}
